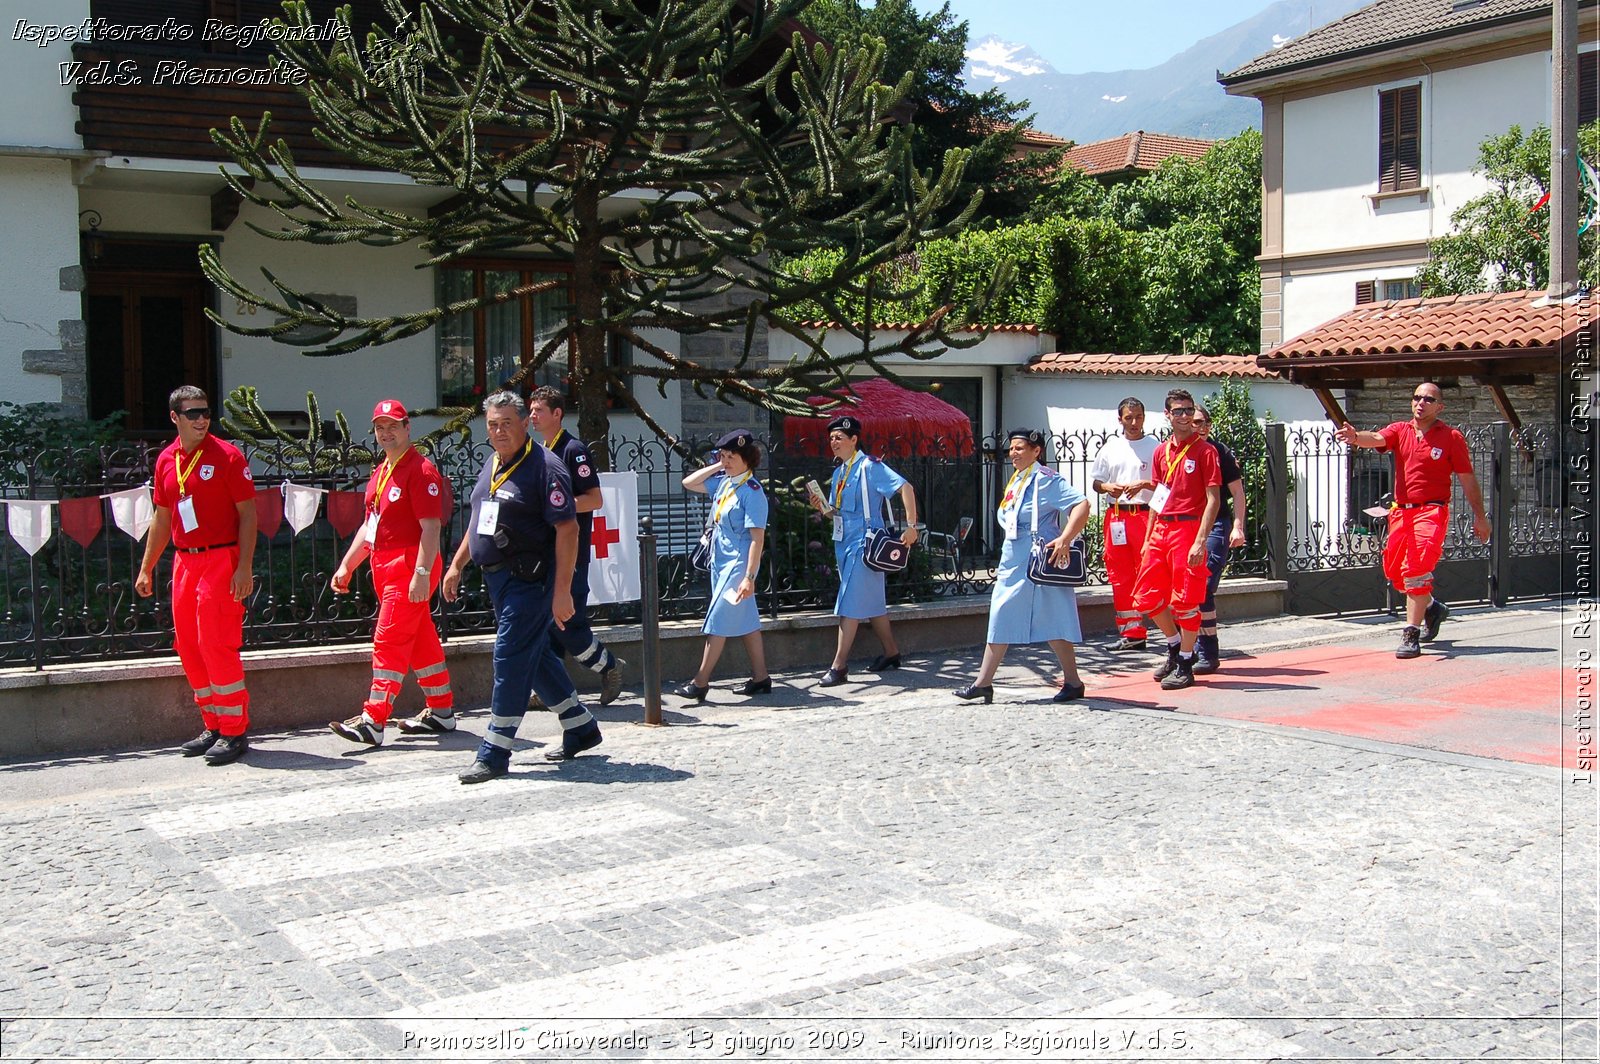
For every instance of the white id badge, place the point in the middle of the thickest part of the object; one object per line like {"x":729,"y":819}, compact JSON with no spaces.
{"x":1008,"y":523}
{"x":838,"y":529}
{"x":186,"y":514}
{"x":369,"y":528}
{"x":1119,"y":533}
{"x":488,"y":516}
{"x":1158,"y":498}
{"x":731,"y":596}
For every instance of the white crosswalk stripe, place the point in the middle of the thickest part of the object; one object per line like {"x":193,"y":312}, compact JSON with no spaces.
{"x":431,"y":846}
{"x":698,"y":980}
{"x":415,"y":922}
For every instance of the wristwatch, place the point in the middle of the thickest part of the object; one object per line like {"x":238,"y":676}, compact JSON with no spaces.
{"x":423,"y":570}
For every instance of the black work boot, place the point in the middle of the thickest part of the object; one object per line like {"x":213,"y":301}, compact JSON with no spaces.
{"x":1410,"y":643}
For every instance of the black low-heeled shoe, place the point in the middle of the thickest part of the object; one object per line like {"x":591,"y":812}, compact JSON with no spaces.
{"x":693,"y":693}
{"x":754,"y":687}
{"x":834,"y":677}
{"x":882,"y":663}
{"x":972,"y":691}
{"x":1070,"y":692}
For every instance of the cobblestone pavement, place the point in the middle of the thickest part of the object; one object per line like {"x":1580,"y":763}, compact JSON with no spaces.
{"x":871,"y":872}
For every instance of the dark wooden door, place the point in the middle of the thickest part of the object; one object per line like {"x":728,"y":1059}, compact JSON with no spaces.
{"x":147,"y":334}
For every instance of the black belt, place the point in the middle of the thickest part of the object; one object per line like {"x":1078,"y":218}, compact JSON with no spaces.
{"x":1130,"y":506}
{"x":1417,"y":505}
{"x":214,"y":546}
{"x":1177,"y":517}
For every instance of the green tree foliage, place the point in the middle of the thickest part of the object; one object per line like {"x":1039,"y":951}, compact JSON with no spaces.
{"x":1234,"y":423}
{"x":678,"y":151}
{"x":930,"y":49}
{"x":1498,"y":241}
{"x":1163,"y":263}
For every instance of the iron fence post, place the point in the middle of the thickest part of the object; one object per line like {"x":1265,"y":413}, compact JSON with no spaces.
{"x":1275,"y":524}
{"x":649,"y":622}
{"x":1500,"y":504}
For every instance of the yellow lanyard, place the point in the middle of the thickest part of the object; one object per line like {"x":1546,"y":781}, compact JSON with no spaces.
{"x":844,"y":475}
{"x":1022,"y":474}
{"x":551,"y":446}
{"x":384,"y":476}
{"x":496,"y":480}
{"x":1172,"y":462}
{"x":185,"y":474}
{"x":725,"y":497}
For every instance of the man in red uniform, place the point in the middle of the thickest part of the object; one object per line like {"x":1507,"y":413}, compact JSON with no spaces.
{"x":206,"y":485}
{"x":1426,"y":453}
{"x":405,"y":507}
{"x":1172,"y":575}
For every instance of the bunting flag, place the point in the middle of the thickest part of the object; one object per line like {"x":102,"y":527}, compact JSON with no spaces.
{"x":133,"y":510}
{"x":614,"y":540}
{"x":269,"y":511}
{"x":344,"y":511}
{"x":29,"y":522}
{"x":82,"y":519}
{"x":300,"y":505}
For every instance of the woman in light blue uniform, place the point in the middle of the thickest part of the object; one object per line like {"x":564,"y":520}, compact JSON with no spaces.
{"x":1037,"y":503}
{"x":861,"y":588}
{"x":738,"y":533}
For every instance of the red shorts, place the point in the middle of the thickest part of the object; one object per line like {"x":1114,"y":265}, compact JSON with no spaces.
{"x":1416,"y":542}
{"x":1167,"y":579}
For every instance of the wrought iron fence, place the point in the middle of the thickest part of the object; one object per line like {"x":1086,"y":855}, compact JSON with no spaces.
{"x":1331,"y":486}
{"x":74,"y":601}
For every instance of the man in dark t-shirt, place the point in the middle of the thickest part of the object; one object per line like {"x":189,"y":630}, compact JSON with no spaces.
{"x":1225,"y":533}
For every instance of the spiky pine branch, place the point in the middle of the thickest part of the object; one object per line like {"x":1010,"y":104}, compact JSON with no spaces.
{"x":678,"y":153}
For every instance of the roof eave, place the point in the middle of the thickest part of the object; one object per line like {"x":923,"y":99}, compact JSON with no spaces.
{"x":1489,"y":31}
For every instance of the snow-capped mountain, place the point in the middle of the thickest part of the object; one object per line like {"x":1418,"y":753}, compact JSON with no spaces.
{"x":1179,"y":96}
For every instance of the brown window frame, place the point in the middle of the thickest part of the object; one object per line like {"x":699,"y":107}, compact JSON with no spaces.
{"x":1400,"y":138}
{"x":619,"y":355}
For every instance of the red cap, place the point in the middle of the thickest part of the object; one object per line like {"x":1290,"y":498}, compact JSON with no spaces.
{"x":390,"y":408}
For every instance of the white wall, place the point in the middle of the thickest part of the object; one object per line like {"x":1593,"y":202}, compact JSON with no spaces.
{"x":38,"y":111}
{"x":1330,"y":156}
{"x":39,"y":217}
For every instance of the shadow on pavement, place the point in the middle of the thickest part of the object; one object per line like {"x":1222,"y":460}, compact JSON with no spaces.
{"x":599,"y":769}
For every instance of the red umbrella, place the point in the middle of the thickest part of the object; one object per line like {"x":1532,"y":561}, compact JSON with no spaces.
{"x":895,"y":422}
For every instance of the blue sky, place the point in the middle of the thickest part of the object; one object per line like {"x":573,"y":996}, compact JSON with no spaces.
{"x":1075,"y":36}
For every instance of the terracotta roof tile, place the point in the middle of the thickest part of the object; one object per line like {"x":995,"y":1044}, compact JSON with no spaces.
{"x":1131,"y":364}
{"x":1133,"y":151}
{"x":1483,"y":321}
{"x":1387,"y":24}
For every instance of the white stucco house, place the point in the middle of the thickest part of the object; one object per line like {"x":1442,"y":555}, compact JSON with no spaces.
{"x":1371,"y":126}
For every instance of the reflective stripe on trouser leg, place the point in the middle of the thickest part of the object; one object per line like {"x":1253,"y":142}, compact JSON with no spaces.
{"x":1122,"y":571}
{"x":208,"y":628}
{"x":1187,"y":618}
{"x":521,"y":649}
{"x":404,"y":634}
{"x":202,"y":702}
{"x":1208,"y":621}
{"x":577,"y":638}
{"x":435,"y":682}
{"x":597,"y":658}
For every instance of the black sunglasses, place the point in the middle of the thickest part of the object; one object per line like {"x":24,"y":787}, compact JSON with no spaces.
{"x":195,"y":413}
{"x":1424,"y":399}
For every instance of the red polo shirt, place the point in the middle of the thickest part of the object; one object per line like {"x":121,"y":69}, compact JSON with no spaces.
{"x":1425,"y":463}
{"x":414,"y":493}
{"x":1186,"y":469}
{"x":217,"y":478}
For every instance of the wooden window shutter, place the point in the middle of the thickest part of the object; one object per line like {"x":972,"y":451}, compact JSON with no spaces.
{"x":1588,"y":87}
{"x":1366,"y":292}
{"x":1400,"y":139}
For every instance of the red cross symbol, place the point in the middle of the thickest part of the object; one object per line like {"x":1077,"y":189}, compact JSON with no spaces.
{"x":602,"y":536}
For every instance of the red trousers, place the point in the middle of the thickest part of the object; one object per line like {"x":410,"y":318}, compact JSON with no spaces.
{"x":208,"y":628}
{"x":1415,"y":544}
{"x":1167,"y":579}
{"x":1122,"y":567}
{"x":405,"y":639}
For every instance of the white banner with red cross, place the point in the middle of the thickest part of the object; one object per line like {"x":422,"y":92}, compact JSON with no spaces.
{"x":614,"y":540}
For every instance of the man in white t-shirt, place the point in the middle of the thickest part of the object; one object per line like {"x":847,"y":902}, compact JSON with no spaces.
{"x":1123,"y":474}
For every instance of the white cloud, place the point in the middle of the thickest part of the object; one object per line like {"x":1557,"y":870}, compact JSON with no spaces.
{"x":1115,"y":99}
{"x":1279,"y":42}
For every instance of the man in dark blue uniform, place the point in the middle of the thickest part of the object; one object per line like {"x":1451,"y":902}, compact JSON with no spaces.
{"x":545,"y":409}
{"x":523,"y":532}
{"x":1227,"y":532}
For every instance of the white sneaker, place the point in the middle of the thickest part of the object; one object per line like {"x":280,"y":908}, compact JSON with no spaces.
{"x":428,"y":723}
{"x":360,"y":729}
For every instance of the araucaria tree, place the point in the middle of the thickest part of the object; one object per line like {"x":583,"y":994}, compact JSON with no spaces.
{"x":673,"y":152}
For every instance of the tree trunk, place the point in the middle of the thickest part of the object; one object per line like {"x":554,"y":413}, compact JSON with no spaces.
{"x":589,"y":358}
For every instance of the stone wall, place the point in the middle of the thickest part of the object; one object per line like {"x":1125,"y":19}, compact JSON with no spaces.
{"x":1466,"y":403}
